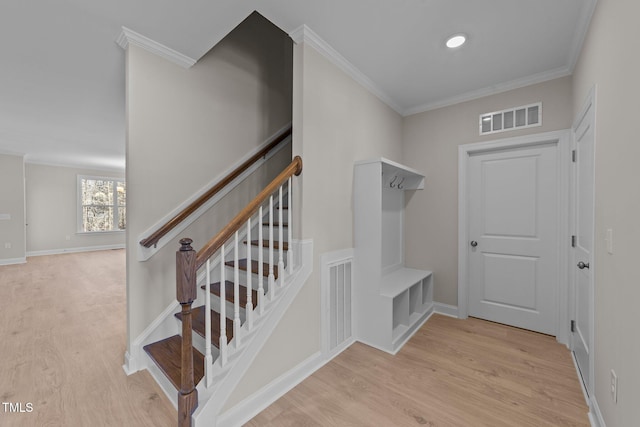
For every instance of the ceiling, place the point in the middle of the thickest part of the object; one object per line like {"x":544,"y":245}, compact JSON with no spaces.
{"x":62,"y":89}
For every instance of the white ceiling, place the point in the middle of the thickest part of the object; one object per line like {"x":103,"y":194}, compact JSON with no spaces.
{"x":62,"y":74}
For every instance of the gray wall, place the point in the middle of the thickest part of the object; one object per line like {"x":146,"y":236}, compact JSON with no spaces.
{"x":184,"y":128}
{"x":12,"y":231}
{"x":610,"y":60}
{"x":52,"y":211}
{"x":430,"y":145}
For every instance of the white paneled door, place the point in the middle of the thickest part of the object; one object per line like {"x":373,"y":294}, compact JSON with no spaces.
{"x":583,"y":225}
{"x":513,"y":246}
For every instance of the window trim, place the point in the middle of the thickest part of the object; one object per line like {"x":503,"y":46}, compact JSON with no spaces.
{"x":79,"y":205}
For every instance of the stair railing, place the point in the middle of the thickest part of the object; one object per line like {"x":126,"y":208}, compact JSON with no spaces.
{"x":163,"y":230}
{"x":188,"y":262}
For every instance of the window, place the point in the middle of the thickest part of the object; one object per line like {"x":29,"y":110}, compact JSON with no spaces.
{"x":102,"y":204}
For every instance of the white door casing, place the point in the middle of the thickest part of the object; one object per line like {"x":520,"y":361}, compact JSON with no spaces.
{"x":512,"y":202}
{"x":583,"y":186}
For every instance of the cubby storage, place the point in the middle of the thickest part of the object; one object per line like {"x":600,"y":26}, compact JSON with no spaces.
{"x":391,"y":301}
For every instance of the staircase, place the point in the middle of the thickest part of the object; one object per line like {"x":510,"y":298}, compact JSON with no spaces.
{"x":230,"y":312}
{"x":166,"y":353}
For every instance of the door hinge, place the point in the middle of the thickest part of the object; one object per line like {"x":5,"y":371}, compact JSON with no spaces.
{"x":573,"y":326}
{"x":573,"y":156}
{"x":573,"y":241}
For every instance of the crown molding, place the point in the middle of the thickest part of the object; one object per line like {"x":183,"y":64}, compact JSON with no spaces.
{"x":5,"y":152}
{"x":129,"y":37}
{"x":74,"y":165}
{"x":491,"y":90}
{"x":304,"y":34}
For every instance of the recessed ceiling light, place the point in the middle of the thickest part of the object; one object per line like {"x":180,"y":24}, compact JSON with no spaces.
{"x":456,"y":40}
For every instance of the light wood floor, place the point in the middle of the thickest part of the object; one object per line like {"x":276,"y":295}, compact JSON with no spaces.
{"x":451,"y":373}
{"x":62,"y":341}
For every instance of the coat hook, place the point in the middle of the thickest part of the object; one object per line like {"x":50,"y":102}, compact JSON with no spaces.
{"x":391,"y":184}
{"x":400,"y":184}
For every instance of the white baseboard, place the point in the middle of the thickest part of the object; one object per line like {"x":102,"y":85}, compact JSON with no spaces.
{"x":11,"y":261}
{"x":260,"y":400}
{"x":446,"y":309}
{"x":132,"y":356}
{"x":75,"y":250}
{"x":595,"y":416}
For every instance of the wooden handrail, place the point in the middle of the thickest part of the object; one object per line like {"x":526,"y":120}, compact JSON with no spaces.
{"x":294,"y":168}
{"x":155,"y":237}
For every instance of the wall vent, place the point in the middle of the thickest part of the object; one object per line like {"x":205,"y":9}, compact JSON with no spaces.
{"x":337,"y":280}
{"x":513,"y":118}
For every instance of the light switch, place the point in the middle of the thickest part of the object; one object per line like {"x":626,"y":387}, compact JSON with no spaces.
{"x":609,"y":240}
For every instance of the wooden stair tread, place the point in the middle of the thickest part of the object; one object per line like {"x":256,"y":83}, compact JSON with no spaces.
{"x":265,"y":244}
{"x":242,"y":265}
{"x":228,"y":293}
{"x":197,"y":324}
{"x":167,"y":354}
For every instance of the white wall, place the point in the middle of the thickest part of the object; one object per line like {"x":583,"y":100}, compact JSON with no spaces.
{"x":430,"y":145}
{"x":12,"y":231}
{"x":610,"y":60}
{"x":336,"y":123}
{"x":184,"y":128}
{"x":52,"y":211}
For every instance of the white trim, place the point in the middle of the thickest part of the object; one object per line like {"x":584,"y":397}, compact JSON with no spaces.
{"x":261,"y":399}
{"x":145,"y":253}
{"x":75,"y":250}
{"x":589,"y":103}
{"x":236,"y":369}
{"x":595,"y":416}
{"x":6,"y":152}
{"x":327,"y":260}
{"x":304,"y":34}
{"x":129,"y":37}
{"x":562,"y":139}
{"x":490,"y":90}
{"x":81,"y":166}
{"x":445,"y":309}
{"x":131,"y":356}
{"x":12,"y":261}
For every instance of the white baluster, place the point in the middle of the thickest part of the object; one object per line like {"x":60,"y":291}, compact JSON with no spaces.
{"x":223,"y":311}
{"x":208,"y":359}
{"x":261,"y":299}
{"x":248,"y":309}
{"x":280,"y":240}
{"x":236,"y":292}
{"x":272,"y":278}
{"x":289,"y":231}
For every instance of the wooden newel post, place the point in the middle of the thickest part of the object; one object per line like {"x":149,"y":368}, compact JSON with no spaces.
{"x":186,"y":293}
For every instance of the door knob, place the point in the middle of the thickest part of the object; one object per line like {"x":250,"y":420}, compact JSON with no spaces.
{"x":582,"y":265}
{"x":474,"y":243}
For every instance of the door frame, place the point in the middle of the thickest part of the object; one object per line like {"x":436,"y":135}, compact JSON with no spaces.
{"x":588,"y":389}
{"x":563,"y":141}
